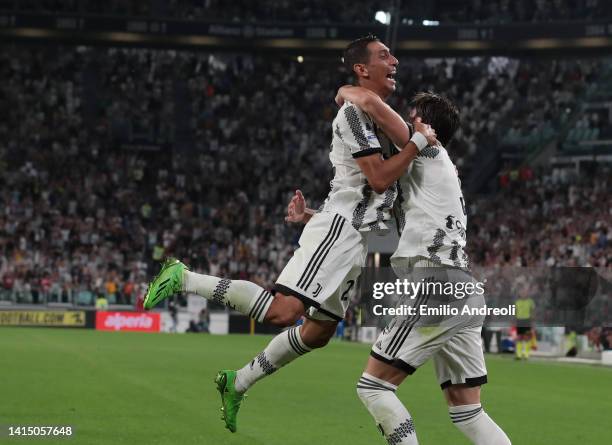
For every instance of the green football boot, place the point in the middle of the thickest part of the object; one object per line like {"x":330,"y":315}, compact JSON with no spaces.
{"x":230,"y":398}
{"x":168,"y":282}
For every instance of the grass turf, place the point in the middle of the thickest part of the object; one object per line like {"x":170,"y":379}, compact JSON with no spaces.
{"x":131,"y":388}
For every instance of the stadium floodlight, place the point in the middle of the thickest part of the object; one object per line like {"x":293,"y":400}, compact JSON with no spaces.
{"x":430,"y":23}
{"x":383,"y":17}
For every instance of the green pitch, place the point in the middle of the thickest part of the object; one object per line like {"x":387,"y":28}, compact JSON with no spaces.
{"x":124,"y":388}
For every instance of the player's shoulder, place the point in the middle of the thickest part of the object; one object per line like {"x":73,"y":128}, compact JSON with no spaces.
{"x":348,"y":104}
{"x":349,"y":111}
{"x":434,"y":153}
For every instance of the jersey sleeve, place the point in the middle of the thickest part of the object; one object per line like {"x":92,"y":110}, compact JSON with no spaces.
{"x":356,"y":130}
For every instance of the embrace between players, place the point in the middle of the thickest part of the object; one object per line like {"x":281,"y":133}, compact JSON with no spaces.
{"x":382,"y":166}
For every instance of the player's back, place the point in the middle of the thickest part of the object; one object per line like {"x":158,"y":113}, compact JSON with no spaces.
{"x":354,"y":136}
{"x":433,"y":212}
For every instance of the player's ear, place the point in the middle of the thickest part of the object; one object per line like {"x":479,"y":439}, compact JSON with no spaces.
{"x":361,"y":70}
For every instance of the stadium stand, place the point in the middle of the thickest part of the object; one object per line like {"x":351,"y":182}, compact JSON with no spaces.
{"x":97,"y":140}
{"x":333,"y":11}
{"x":551,"y":217}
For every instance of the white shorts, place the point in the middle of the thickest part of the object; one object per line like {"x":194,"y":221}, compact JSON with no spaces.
{"x":454,"y":342}
{"x":326,"y":266}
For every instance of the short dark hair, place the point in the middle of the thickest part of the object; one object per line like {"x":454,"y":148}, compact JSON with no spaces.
{"x":357,"y":52}
{"x":439,"y":112}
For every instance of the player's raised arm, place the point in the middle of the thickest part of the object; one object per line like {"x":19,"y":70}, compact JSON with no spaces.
{"x":356,"y":130}
{"x":383,"y":115}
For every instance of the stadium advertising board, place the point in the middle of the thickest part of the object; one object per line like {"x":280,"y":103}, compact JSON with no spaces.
{"x":71,"y":319}
{"x":128,"y":321}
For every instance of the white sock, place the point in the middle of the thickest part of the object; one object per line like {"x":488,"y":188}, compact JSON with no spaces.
{"x":283,"y":349}
{"x":243,"y":296}
{"x":391,"y":416}
{"x":477,"y":425}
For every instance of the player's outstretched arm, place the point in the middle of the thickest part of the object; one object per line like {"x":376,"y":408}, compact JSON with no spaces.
{"x":381,"y":173}
{"x":382,"y":114}
{"x":297,"y":212}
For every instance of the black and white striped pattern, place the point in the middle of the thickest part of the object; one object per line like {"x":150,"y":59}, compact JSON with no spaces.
{"x":354,"y":122}
{"x":404,"y":429}
{"x":295,"y":341}
{"x":403,"y":331}
{"x":362,"y":206}
{"x":454,"y":256}
{"x":429,"y":152}
{"x":465,"y":259}
{"x":436,"y":244}
{"x":321,"y":253}
{"x":465,"y":415}
{"x":398,"y":211}
{"x":386,"y":205}
{"x":368,"y":383}
{"x":259,"y":309}
{"x":218,"y":295}
{"x":265,"y":365}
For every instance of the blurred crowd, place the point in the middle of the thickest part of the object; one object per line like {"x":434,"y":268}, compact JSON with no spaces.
{"x":493,"y":12}
{"x":548,"y":217}
{"x":112,"y":159}
{"x":332,"y":11}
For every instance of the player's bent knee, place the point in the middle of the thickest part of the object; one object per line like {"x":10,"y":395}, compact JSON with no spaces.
{"x":317,"y":333}
{"x":285,"y":311}
{"x":462,"y":395}
{"x":319,"y":341}
{"x":371,"y":390}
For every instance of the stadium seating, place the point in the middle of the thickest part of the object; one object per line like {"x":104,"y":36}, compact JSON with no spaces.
{"x":333,"y":11}
{"x":113,"y":158}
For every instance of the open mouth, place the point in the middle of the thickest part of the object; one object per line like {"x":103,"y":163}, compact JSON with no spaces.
{"x":391,"y":76}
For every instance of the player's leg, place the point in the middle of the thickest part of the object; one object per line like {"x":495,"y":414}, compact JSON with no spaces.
{"x":527,"y":345}
{"x":319,"y":275}
{"x":461,"y":371}
{"x":283,"y":349}
{"x":376,"y":389}
{"x":315,"y":332}
{"x":244,"y":296}
{"x":324,"y":233}
{"x":405,"y":345}
{"x":518,"y":349}
{"x":398,"y":351}
{"x":327,"y":263}
{"x":524,"y":339}
{"x":468,"y":415}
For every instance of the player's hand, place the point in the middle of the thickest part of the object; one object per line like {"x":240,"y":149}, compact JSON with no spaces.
{"x":296,"y":210}
{"x":356,"y":95}
{"x":425,"y":130}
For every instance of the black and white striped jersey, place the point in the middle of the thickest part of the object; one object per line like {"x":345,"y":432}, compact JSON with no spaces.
{"x":351,"y":196}
{"x":434,"y":217}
